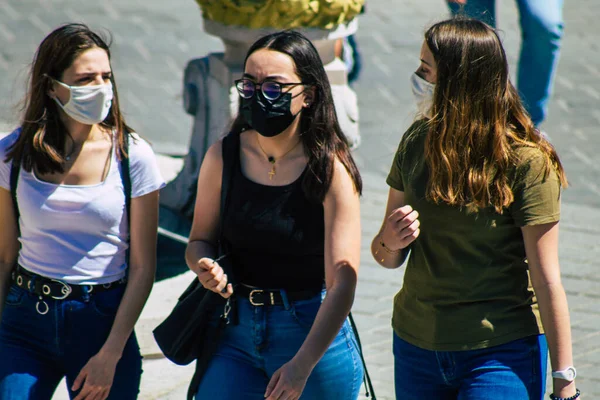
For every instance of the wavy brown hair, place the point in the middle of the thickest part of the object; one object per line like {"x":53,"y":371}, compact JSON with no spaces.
{"x":41,"y":142}
{"x":322,"y":136}
{"x":478,"y":119}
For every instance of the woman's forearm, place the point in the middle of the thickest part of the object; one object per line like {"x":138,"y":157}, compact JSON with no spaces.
{"x":139,"y":285}
{"x":196,"y":250}
{"x":554,"y":312}
{"x":331,"y":315}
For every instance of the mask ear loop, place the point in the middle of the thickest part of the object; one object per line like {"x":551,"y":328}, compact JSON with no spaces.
{"x":306,"y":104}
{"x":60,"y":83}
{"x":54,"y":80}
{"x":302,"y":92}
{"x":301,"y":108}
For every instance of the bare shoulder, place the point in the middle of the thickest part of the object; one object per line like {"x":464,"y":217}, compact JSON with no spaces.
{"x":214,"y":156}
{"x":342,"y":184}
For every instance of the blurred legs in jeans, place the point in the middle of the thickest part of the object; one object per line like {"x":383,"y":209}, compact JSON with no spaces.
{"x":541,"y":29}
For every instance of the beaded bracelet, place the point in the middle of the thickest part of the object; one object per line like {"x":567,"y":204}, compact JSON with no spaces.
{"x":574,"y":397}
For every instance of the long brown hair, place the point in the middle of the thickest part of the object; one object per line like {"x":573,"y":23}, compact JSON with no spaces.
{"x":478,"y":119}
{"x":322,"y":136}
{"x":41,"y":142}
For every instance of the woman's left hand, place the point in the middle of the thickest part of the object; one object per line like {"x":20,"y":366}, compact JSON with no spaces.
{"x":97,"y":377}
{"x":288,"y":382}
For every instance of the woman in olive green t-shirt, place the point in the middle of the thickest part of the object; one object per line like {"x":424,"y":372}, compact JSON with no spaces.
{"x":475,"y":196}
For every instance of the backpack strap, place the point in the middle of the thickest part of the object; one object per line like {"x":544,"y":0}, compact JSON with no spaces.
{"x":126,"y":178}
{"x":15,"y":169}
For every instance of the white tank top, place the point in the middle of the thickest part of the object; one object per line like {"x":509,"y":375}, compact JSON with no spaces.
{"x":78,"y":233}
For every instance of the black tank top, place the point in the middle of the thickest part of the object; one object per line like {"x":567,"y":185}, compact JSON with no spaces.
{"x":275,"y":235}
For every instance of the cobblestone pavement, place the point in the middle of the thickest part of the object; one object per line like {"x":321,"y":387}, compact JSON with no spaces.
{"x":154,"y":39}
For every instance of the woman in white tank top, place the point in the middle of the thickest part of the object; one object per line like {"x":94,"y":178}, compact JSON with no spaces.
{"x":79,"y":207}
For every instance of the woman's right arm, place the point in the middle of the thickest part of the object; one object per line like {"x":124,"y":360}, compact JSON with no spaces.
{"x":9,"y":243}
{"x":202,"y":245}
{"x":399,"y":229}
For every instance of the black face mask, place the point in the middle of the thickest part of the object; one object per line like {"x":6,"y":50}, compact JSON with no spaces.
{"x":268,"y":118}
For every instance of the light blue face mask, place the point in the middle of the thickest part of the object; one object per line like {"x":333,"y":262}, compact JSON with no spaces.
{"x":423,"y":92}
{"x":88,"y":104}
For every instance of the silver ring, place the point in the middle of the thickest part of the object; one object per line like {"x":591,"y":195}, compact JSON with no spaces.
{"x":19,"y":280}
{"x":46,"y":290}
{"x":37,"y":307}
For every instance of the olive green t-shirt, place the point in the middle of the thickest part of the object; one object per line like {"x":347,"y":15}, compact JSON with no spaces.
{"x":466,"y":284}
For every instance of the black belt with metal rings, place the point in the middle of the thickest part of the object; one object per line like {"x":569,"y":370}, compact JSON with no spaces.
{"x":57,"y":289}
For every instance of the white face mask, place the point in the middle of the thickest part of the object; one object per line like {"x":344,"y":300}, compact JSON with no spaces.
{"x":88,"y":104}
{"x":423,"y":92}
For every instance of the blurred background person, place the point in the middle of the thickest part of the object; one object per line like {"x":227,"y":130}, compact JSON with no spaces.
{"x":541,"y":24}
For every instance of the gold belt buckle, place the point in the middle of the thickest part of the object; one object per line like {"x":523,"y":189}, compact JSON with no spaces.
{"x":251,"y":297}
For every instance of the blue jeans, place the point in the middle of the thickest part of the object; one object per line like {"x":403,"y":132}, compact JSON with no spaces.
{"x":541,"y":31}
{"x":268,"y":337}
{"x":511,"y":371}
{"x":37,"y":351}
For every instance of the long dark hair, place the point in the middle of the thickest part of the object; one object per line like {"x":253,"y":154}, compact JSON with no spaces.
{"x":322,"y":137}
{"x":41,"y":143}
{"x":478,"y":119}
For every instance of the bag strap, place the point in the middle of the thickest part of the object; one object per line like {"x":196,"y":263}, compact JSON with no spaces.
{"x":231,"y":148}
{"x":367,"y":377}
{"x":231,"y":158}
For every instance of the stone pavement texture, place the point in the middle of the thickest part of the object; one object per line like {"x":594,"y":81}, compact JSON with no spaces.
{"x":153,"y":41}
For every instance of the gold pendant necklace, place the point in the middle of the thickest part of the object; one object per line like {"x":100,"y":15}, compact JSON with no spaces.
{"x":272,"y":160}
{"x":272,"y":172}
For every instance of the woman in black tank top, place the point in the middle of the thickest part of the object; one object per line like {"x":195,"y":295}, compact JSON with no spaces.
{"x":292,"y":227}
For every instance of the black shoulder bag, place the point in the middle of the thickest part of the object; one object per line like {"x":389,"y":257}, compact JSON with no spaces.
{"x":186,"y":334}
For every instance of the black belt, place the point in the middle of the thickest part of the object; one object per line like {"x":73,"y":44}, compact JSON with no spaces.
{"x":56,"y":289}
{"x":272,"y":297}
